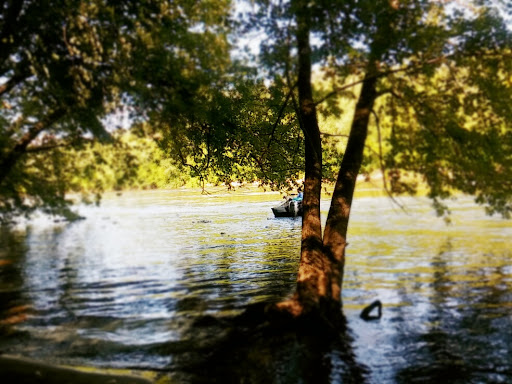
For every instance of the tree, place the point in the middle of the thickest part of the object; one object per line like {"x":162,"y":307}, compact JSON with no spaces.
{"x":66,"y":64}
{"x":241,"y":135}
{"x":433,"y":75}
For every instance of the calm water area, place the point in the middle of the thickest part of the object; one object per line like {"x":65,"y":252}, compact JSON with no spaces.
{"x":125,"y":286}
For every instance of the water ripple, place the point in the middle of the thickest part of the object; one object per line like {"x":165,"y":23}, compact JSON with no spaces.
{"x":126,"y":285}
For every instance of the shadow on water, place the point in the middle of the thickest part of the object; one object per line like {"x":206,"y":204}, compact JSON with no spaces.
{"x":250,"y":349}
{"x":67,"y":313}
{"x":468,"y":339}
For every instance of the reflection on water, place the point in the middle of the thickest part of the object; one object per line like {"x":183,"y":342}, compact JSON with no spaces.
{"x":124,"y":287}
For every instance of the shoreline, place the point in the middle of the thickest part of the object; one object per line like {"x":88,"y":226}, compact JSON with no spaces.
{"x":15,"y":369}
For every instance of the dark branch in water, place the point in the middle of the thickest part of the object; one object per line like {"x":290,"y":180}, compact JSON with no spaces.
{"x":365,"y":313}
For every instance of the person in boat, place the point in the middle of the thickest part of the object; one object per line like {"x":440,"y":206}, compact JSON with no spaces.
{"x":300,"y":195}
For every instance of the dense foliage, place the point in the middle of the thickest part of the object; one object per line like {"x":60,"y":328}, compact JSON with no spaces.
{"x":66,"y":64}
{"x":442,"y":111}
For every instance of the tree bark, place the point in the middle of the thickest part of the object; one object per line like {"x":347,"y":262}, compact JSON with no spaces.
{"x":311,"y":284}
{"x":334,"y":240}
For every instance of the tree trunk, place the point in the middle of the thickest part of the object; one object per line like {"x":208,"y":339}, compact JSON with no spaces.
{"x":311,"y":284}
{"x":335,"y":233}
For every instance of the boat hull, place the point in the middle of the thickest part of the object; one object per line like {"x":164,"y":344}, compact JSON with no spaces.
{"x":289,"y":208}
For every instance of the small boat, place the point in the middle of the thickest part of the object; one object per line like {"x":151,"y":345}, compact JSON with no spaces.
{"x":288,"y":208}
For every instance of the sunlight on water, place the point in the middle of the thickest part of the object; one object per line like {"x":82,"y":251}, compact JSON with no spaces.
{"x":123,"y":287}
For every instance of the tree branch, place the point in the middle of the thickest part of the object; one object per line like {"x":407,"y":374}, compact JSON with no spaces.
{"x":324,"y":134}
{"x":280,"y":114}
{"x":16,"y":79}
{"x":62,"y":144}
{"x":409,"y":68}
{"x":10,"y":160}
{"x":381,"y":162}
{"x":412,"y":68}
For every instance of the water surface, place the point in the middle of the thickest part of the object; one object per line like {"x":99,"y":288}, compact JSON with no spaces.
{"x":124,"y":287}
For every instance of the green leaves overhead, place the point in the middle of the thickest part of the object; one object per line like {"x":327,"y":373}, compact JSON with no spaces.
{"x":66,"y":64}
{"x":444,"y":71}
{"x":444,"y":74}
{"x":245,"y":133}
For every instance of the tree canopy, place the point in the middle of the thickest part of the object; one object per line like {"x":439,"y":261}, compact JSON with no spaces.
{"x":440,"y":111}
{"x":66,"y":64}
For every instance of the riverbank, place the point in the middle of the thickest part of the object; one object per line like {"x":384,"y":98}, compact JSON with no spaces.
{"x":15,"y":369}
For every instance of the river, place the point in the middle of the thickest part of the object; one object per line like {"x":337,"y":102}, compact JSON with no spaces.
{"x":124,"y":287}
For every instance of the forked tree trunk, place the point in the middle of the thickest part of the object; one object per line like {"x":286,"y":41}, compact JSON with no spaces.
{"x":322,"y":259}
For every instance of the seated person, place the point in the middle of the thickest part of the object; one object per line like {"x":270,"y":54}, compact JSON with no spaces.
{"x":299,"y":196}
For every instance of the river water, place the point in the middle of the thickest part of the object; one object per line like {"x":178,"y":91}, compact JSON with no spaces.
{"x":124,"y":287}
